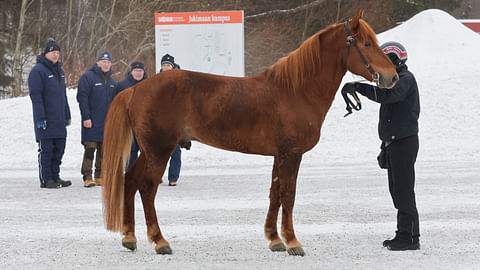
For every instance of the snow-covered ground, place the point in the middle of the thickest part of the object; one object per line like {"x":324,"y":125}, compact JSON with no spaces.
{"x":214,"y":217}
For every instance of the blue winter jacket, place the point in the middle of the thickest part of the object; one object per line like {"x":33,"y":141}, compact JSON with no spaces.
{"x":400,"y":106}
{"x":95,"y":93}
{"x":46,"y":83}
{"x":128,"y":82}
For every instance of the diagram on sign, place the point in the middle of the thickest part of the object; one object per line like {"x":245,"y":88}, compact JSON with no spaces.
{"x":198,"y":45}
{"x":210,"y":52}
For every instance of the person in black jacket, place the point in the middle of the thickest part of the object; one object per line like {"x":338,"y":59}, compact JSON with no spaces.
{"x":398,"y":130}
{"x":136,"y":75}
{"x":51,"y":114}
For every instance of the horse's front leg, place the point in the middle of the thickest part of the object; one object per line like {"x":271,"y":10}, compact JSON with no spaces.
{"x":148,"y":190}
{"x":288,"y":166}
{"x":276,"y":244}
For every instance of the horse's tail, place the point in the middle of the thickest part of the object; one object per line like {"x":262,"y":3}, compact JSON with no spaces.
{"x":116,"y":150}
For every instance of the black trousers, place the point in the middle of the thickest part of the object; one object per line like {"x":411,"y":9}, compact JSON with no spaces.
{"x":401,"y":157}
{"x":50,"y":153}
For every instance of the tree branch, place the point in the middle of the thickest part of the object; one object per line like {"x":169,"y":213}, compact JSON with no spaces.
{"x":286,"y":11}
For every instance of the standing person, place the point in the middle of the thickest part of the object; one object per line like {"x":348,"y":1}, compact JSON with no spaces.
{"x":51,"y":114}
{"x":95,"y":93}
{"x":168,"y":63}
{"x":136,"y":75}
{"x":398,"y":130}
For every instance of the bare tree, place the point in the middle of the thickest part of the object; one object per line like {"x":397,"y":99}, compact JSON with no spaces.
{"x":38,"y":40}
{"x":17,"y":62}
{"x":338,"y":10}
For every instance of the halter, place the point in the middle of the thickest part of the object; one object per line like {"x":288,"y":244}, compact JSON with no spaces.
{"x":350,"y":40}
{"x":375,"y":75}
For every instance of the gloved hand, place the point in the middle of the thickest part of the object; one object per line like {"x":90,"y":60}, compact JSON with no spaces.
{"x":186,"y":144}
{"x":349,"y":88}
{"x":42,"y":124}
{"x":68,"y":122}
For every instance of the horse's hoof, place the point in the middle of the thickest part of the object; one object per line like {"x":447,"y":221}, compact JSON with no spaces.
{"x":130,"y":245}
{"x":166,"y":250}
{"x":278,"y":247}
{"x":296,"y":251}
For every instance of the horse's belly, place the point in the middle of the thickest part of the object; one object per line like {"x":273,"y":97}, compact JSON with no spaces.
{"x":249,"y":144}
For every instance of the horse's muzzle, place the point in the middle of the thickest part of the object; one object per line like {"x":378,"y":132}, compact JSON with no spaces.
{"x":388,"y":81}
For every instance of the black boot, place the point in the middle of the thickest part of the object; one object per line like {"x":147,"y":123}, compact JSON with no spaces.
{"x":416,"y":240}
{"x":51,"y":184}
{"x":389,"y":241}
{"x":405,"y":242}
{"x":64,"y":183}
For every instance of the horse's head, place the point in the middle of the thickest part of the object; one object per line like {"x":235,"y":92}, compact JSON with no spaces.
{"x":364,"y":55}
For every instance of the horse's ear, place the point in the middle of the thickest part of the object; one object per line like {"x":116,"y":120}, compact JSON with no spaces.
{"x":356,"y":19}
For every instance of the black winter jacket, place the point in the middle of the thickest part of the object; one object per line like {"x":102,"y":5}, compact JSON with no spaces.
{"x":128,"y":82}
{"x":94,"y":95}
{"x":46,"y":83}
{"x":400,"y":106}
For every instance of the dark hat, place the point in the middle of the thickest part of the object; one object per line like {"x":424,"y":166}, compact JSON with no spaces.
{"x":105,"y":56}
{"x":135,"y":65}
{"x":51,"y":46}
{"x":168,"y":59}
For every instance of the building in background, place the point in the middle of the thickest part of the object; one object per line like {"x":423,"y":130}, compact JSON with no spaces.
{"x":473,"y":24}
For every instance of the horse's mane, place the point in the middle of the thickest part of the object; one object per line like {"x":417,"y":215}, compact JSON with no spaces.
{"x":292,"y":70}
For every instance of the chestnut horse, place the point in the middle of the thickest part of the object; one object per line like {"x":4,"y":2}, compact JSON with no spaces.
{"x":276,"y":113}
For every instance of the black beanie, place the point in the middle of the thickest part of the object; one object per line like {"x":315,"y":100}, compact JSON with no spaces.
{"x":168,"y":59}
{"x":51,"y":45}
{"x":105,"y":56}
{"x":135,"y":65}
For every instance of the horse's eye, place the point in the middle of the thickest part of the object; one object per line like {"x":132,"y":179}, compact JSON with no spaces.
{"x":368,"y":44}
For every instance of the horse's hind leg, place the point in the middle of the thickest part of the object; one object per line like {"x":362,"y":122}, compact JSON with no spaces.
{"x":148,"y":190}
{"x":132,"y":178}
{"x":271,"y":233}
{"x":288,"y":170}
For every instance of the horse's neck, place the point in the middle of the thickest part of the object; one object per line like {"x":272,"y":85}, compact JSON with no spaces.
{"x":323,"y":86}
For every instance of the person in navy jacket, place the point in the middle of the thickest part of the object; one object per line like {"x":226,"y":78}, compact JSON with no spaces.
{"x":136,"y":75}
{"x":398,"y":130}
{"x":51,"y":114}
{"x":168,"y":63}
{"x":95,"y":93}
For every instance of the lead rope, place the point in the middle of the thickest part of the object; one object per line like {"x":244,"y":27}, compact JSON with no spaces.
{"x":350,"y":104}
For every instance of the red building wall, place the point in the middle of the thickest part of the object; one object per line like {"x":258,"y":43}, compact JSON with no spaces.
{"x":473,"y":24}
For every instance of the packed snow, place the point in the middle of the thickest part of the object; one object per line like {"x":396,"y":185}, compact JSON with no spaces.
{"x":214,"y":218}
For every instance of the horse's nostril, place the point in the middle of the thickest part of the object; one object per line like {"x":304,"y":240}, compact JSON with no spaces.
{"x":395,"y":78}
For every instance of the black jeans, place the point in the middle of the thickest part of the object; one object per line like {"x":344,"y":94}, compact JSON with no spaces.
{"x":401,"y":156}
